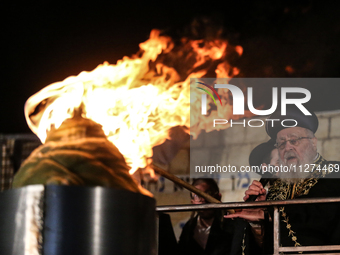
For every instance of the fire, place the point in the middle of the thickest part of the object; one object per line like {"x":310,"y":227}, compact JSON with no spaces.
{"x":140,"y":98}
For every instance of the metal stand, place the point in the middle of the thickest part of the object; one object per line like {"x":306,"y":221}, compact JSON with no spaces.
{"x":62,"y":220}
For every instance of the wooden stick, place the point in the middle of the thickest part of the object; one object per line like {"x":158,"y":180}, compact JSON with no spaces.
{"x":186,"y":185}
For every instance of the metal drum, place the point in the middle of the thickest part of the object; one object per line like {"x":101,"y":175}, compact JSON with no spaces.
{"x":62,"y":220}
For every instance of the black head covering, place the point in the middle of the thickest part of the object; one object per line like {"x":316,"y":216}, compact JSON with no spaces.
{"x":258,"y":154}
{"x":292,"y":113}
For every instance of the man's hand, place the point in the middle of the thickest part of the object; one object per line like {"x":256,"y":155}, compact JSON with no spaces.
{"x":252,"y":215}
{"x":257,"y":189}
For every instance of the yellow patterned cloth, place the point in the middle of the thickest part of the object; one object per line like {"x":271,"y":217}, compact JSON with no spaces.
{"x":281,"y":190}
{"x":309,"y":224}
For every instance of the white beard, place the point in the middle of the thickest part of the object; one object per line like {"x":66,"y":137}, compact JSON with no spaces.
{"x":292,"y":180}
{"x":296,"y":173}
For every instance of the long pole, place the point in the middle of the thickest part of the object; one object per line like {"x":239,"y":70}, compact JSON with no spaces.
{"x":186,"y":185}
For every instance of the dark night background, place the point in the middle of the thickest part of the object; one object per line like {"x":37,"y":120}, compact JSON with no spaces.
{"x":46,"y":43}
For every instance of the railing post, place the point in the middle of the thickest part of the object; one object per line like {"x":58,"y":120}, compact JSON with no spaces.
{"x":276,"y":230}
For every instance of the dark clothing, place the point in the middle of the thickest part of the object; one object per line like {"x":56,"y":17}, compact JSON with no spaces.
{"x":227,"y":237}
{"x":307,"y":224}
{"x":219,"y":240}
{"x":167,"y":243}
{"x":242,"y":244}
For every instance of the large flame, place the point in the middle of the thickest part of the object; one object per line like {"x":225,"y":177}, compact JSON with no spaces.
{"x":140,"y":98}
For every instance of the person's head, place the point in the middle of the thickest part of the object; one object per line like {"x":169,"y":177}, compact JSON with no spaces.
{"x":274,"y":158}
{"x":296,"y":145}
{"x":208,"y":186}
{"x":264,"y":154}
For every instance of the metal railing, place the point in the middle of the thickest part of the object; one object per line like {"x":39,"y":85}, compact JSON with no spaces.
{"x":276,"y":220}
{"x":14,"y":149}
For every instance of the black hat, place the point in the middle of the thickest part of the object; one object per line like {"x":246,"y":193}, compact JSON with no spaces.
{"x":258,"y":154}
{"x":294,"y":116}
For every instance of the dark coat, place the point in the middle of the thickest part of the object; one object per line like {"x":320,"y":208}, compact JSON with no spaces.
{"x":227,"y":237}
{"x":219,"y":240}
{"x":312,"y":224}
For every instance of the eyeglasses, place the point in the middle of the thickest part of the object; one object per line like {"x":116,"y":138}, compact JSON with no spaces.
{"x":293,"y":141}
{"x":197,"y":198}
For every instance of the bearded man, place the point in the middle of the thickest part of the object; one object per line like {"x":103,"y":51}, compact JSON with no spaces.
{"x":309,"y":175}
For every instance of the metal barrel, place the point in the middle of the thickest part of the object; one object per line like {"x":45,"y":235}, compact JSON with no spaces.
{"x":62,"y":220}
